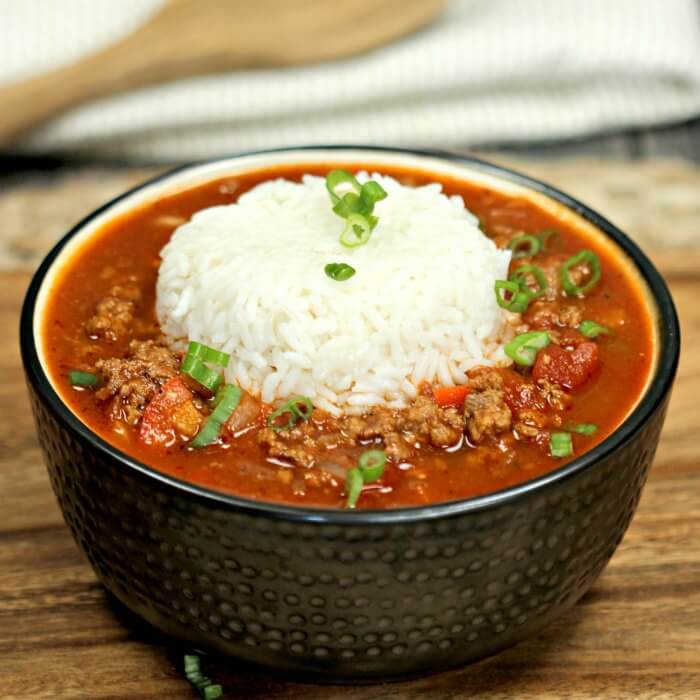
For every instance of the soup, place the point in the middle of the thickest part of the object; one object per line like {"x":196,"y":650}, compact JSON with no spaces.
{"x":453,"y":342}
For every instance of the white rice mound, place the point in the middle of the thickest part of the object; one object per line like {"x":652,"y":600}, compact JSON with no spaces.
{"x":248,"y":278}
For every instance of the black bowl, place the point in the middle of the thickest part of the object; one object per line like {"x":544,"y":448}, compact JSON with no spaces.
{"x":351,"y":595}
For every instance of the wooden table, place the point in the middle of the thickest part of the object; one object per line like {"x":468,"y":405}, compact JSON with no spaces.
{"x":635,"y":635}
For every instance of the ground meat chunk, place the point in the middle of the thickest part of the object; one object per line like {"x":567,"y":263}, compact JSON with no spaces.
{"x":132,"y":382}
{"x":530,"y":424}
{"x":554,"y":394}
{"x":547,"y":316}
{"x":114,"y":314}
{"x":485,"y":409}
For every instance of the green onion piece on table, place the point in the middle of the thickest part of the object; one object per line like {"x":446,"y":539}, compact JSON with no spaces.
{"x":353,"y":486}
{"x":510,"y":296}
{"x":227,"y":400}
{"x":590,"y":260}
{"x":195,"y":368}
{"x":339,"y":271}
{"x":521,"y":275}
{"x":523,"y":348}
{"x":526,"y":245}
{"x":371,"y":465}
{"x":357,"y":231}
{"x":207,"y":354}
{"x":298,"y":408}
{"x":78,"y":378}
{"x":560,"y":445}
{"x":206,"y":689}
{"x":591,"y":329}
{"x":583,"y":428}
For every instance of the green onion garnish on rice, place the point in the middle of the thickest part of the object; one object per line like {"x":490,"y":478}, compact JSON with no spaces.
{"x":339,"y":271}
{"x":355,"y":203}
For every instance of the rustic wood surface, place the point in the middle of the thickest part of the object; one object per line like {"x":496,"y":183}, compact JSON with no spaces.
{"x":635,"y":635}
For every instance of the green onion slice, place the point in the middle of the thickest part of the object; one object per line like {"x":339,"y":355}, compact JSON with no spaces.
{"x":298,"y":408}
{"x":227,"y":399}
{"x":591,"y":329}
{"x":206,"y":689}
{"x":583,"y":428}
{"x":371,"y":465}
{"x":526,"y":245}
{"x":353,"y":486}
{"x":195,"y":368}
{"x":339,"y":271}
{"x":78,"y":378}
{"x":584,"y":257}
{"x":521,"y":274}
{"x":339,"y":183}
{"x":544,"y":235}
{"x":510,"y":296}
{"x":523,"y":348}
{"x":206,"y":354}
{"x":371,"y":193}
{"x":357,"y":231}
{"x":560,"y":445}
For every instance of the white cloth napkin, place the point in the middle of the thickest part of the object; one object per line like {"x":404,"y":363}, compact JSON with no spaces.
{"x":486,"y":71}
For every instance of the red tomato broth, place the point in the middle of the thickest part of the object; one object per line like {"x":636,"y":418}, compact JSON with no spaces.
{"x":131,"y":243}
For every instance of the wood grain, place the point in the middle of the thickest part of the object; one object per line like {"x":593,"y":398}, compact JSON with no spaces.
{"x":636,"y":635}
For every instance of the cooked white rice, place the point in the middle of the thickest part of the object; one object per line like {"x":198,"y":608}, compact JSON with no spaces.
{"x":248,"y":278}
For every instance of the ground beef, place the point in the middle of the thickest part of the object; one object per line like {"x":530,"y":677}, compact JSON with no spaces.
{"x":423,"y":423}
{"x":400,"y":431}
{"x":485,"y":409}
{"x":554,"y":394}
{"x":114,"y":315}
{"x":547,"y":316}
{"x":131,"y":382}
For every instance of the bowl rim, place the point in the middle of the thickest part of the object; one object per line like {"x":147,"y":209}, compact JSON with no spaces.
{"x":657,"y":389}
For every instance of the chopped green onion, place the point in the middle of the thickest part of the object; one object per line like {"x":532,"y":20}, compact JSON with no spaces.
{"x":298,"y":408}
{"x":583,"y":428}
{"x":544,"y":235}
{"x":339,"y":271}
{"x":585,"y":257}
{"x":227,"y":399}
{"x":523,"y":348}
{"x":372,"y":192}
{"x":340,"y":182}
{"x":78,"y":378}
{"x":520,"y":276}
{"x":371,"y":465}
{"x":195,"y":368}
{"x":518,"y":301}
{"x":353,"y":486}
{"x":207,"y":354}
{"x":526,"y":245}
{"x":591,"y":329}
{"x":206,"y":689}
{"x":357,"y":231}
{"x":560,"y":445}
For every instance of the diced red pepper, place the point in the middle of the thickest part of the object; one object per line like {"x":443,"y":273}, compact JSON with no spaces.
{"x":450,"y":395}
{"x":157,"y":424}
{"x":569,"y":368}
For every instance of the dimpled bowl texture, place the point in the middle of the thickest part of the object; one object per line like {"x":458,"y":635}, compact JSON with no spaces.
{"x":352,"y":596}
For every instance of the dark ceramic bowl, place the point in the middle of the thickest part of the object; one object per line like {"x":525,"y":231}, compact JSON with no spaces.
{"x":349,"y":595}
